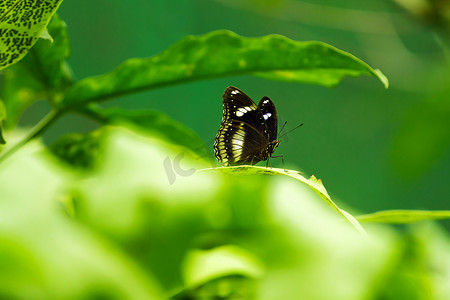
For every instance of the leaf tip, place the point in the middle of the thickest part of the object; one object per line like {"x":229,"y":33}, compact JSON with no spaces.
{"x":382,"y":78}
{"x":46,"y":35}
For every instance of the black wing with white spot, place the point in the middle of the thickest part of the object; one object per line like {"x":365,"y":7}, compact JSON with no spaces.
{"x":244,"y":137}
{"x":269,"y":113}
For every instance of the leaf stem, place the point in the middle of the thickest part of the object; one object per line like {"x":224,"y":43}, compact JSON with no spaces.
{"x":37,"y":130}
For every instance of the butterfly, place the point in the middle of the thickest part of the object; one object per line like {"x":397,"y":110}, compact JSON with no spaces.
{"x":248,"y":132}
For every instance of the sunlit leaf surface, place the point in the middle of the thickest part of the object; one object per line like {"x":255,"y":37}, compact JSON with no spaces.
{"x":314,"y":183}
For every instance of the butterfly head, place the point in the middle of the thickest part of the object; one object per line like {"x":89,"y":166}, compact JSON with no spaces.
{"x":267,"y":151}
{"x":274,"y":144}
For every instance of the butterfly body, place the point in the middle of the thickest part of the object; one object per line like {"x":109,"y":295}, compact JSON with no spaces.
{"x":248,"y":132}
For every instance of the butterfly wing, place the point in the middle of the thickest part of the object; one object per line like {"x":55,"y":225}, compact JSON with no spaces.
{"x":269,"y":113}
{"x":237,"y":143}
{"x":243,"y":132}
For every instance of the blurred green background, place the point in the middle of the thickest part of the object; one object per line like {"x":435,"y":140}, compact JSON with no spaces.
{"x":373,"y":148}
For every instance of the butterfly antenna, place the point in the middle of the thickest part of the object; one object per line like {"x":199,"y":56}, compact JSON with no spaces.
{"x":289,"y":130}
{"x":282,"y":127}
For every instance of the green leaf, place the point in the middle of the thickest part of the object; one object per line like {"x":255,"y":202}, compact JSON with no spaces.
{"x":129,"y":199}
{"x":44,"y":254}
{"x":154,"y":123}
{"x":404,"y":216}
{"x":51,"y":55}
{"x":202,"y":266}
{"x":313,"y":183}
{"x":224,"y":53}
{"x":43,"y":74}
{"x":232,"y":287}
{"x":421,"y":269}
{"x":46,"y":35}
{"x":81,"y":151}
{"x":21,"y":24}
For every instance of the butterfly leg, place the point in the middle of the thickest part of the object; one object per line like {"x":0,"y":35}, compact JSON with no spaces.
{"x":268,"y":165}
{"x":282,"y":161}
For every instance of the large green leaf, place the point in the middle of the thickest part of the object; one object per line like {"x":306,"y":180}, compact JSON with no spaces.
{"x":313,"y":183}
{"x":404,"y":216}
{"x":224,"y":53}
{"x":41,"y":75}
{"x":22,"y":22}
